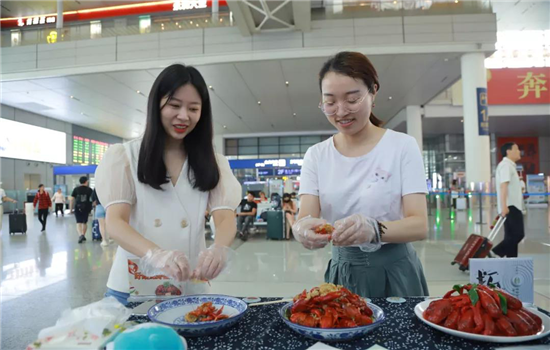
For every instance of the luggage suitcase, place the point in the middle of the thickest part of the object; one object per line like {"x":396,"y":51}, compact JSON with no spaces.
{"x":96,"y":236}
{"x":275,"y":225}
{"x":18,"y":223}
{"x":477,"y":246}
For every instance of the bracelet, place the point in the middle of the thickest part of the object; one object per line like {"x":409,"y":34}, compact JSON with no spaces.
{"x":380,"y":230}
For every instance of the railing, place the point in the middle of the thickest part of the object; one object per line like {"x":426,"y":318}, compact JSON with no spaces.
{"x":475,"y":200}
{"x":112,"y":27}
{"x":345,"y":9}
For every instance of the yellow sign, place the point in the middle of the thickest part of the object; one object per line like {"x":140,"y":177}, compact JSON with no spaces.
{"x":532,"y":83}
{"x":52,"y":38}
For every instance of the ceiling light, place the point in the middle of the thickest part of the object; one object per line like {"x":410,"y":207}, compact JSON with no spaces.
{"x":221,"y":19}
{"x":259,"y":102}
{"x":389,"y":97}
{"x":225,"y":126}
{"x":286,"y":82}
{"x":462,"y":120}
{"x":82,"y":113}
{"x":197,"y":24}
{"x":205,"y":21}
{"x":72,"y":96}
{"x":139,"y":92}
{"x":191,"y":22}
{"x":294,"y":114}
{"x":456,"y":1}
{"x":446,"y":60}
{"x":180,"y":27}
{"x":395,"y":2}
{"x":210,"y":87}
{"x":177,"y":23}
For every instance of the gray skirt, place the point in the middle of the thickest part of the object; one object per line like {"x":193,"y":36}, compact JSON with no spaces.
{"x":392,"y":271}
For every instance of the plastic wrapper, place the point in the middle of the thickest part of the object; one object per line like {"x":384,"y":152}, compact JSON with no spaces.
{"x":86,"y":327}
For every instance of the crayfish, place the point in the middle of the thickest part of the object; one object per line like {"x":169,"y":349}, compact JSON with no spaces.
{"x":204,"y":313}
{"x":483,"y":310}
{"x":330,"y":306}
{"x":325,"y":229}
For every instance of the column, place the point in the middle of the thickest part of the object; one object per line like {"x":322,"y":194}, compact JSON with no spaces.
{"x":59,"y":24}
{"x":215,"y":11}
{"x":414,"y":124}
{"x":476,"y":138}
{"x":219,"y":144}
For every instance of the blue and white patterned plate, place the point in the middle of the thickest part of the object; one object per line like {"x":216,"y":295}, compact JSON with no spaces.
{"x":172,"y":313}
{"x":335,"y":334}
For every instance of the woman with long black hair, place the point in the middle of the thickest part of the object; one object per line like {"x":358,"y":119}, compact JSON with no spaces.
{"x":156,"y":189}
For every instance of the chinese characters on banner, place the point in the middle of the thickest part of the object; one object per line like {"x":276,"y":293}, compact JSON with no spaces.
{"x":518,"y":86}
{"x":482,"y":111}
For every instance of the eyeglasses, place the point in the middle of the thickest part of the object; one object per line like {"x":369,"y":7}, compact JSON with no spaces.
{"x":349,"y":106}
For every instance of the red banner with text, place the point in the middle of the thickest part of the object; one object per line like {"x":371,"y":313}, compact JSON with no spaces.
{"x":513,"y":86}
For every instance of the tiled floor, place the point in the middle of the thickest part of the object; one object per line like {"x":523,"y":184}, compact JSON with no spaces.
{"x":43,"y":274}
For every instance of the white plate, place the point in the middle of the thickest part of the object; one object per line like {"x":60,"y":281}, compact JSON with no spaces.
{"x":421,"y":307}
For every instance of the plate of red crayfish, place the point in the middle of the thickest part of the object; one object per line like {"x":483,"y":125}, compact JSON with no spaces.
{"x":483,"y":313}
{"x":199,"y":315}
{"x":331,"y":313}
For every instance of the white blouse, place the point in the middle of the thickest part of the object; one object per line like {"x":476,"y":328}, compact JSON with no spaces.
{"x":173,"y":218}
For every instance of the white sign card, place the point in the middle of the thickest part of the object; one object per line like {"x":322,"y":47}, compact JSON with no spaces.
{"x":514,"y":275}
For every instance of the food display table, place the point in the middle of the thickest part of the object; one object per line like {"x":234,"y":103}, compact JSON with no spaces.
{"x":262,"y":328}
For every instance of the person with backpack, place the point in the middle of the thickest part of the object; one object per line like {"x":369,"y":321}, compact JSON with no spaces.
{"x":83,"y":206}
{"x":44,"y":203}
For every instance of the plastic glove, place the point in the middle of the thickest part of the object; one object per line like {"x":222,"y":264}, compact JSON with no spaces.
{"x":171,"y":263}
{"x":303,"y":231}
{"x":357,"y":230}
{"x":212,"y":262}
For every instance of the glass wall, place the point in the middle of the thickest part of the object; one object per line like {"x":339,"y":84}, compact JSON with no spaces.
{"x":444,"y":155}
{"x":271,"y":147}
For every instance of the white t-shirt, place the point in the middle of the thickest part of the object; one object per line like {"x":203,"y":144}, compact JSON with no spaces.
{"x":58,"y":198}
{"x":507,"y":172}
{"x":2,"y":194}
{"x":372,"y":184}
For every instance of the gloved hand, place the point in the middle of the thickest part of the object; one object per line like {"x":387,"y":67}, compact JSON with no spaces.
{"x":212,"y":262}
{"x":303,"y":231}
{"x":171,"y":263}
{"x":357,"y":230}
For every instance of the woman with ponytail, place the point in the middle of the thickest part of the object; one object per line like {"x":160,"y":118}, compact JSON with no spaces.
{"x":369,"y":183}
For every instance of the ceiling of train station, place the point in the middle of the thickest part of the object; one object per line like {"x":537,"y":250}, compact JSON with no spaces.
{"x":246,"y":97}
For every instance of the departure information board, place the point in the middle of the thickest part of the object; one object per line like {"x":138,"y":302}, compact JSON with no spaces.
{"x":87,"y":151}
